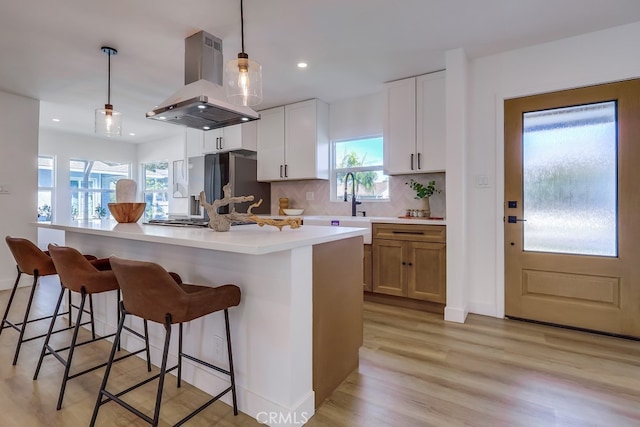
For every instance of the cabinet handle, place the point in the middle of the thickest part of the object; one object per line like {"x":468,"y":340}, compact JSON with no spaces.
{"x":222,"y":146}
{"x":404,"y":263}
{"x":419,"y":167}
{"x":419,"y":233}
{"x":286,"y":174}
{"x":411,"y":161}
{"x":280,"y":171}
{"x":410,"y":264}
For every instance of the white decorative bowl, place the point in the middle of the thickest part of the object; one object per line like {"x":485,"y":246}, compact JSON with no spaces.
{"x":293,"y":211}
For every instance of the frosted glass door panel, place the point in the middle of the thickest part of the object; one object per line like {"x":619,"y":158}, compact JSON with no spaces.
{"x":570,"y":180}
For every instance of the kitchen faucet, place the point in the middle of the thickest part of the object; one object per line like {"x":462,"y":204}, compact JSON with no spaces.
{"x":354,"y":202}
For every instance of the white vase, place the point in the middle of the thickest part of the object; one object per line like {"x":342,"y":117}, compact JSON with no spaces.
{"x":426,"y":208}
{"x":126,"y":191}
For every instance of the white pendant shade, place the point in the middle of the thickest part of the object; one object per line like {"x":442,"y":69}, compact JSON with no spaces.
{"x":243,"y":80}
{"x":108,"y":122}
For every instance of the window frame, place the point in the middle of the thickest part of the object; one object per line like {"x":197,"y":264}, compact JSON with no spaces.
{"x":148,"y":212}
{"x":50,"y":189}
{"x":86,"y":191}
{"x":334,"y":171}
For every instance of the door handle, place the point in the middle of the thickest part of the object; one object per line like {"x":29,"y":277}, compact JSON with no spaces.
{"x":512,"y":219}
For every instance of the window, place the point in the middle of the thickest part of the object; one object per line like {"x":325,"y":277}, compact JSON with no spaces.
{"x":46,"y":180}
{"x":362,"y":157}
{"x":93,"y":187}
{"x":156,"y":189}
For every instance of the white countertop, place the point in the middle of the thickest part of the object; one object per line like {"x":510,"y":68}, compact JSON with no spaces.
{"x":245,"y":239}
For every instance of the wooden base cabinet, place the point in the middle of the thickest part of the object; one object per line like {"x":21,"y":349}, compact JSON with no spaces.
{"x":410,"y":261}
{"x":368,"y":268}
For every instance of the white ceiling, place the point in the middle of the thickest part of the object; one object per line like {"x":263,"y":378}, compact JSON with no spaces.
{"x":50,"y":50}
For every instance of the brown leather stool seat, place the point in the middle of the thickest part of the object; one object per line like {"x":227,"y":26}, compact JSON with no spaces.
{"x":79,"y":275}
{"x":37,"y":263}
{"x":150,"y":292}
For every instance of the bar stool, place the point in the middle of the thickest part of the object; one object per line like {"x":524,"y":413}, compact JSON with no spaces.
{"x":151,"y":293}
{"x":79,"y":275}
{"x":32,"y":261}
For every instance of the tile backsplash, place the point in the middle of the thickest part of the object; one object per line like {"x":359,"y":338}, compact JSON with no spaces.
{"x":402,"y":197}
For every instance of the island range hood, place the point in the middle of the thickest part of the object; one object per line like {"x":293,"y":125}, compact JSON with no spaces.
{"x":201,"y":103}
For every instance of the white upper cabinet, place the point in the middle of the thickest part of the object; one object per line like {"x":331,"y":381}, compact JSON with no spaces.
{"x":293,"y":142}
{"x":271,"y":144}
{"x":238,"y":137}
{"x":195,"y":140}
{"x":415,"y":125}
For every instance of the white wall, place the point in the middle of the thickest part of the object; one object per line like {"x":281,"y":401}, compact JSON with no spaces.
{"x":19,"y":117}
{"x":169,"y":149}
{"x":65,"y":146}
{"x":599,"y":57}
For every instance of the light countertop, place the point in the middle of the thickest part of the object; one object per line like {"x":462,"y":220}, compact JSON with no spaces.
{"x":245,"y":239}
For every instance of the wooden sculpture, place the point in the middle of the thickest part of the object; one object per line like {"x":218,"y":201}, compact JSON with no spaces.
{"x":222,"y":222}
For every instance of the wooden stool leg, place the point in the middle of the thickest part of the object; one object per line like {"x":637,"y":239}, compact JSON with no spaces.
{"x":13,"y":293}
{"x":26,"y":316}
{"x":45,"y":346}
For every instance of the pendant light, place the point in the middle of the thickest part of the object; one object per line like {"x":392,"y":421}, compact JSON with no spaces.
{"x":243,"y":76}
{"x":108,"y":120}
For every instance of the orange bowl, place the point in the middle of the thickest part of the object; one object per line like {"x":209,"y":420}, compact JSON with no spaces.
{"x":127,"y":212}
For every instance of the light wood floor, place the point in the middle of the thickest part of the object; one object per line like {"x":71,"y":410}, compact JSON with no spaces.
{"x":415,"y":370}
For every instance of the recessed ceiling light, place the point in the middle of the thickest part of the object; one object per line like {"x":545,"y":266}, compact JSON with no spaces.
{"x":162,"y":118}
{"x":55,"y":120}
{"x":132,"y":134}
{"x":302,"y":65}
{"x":206,"y":128}
{"x":202,"y":107}
{"x":245,"y":119}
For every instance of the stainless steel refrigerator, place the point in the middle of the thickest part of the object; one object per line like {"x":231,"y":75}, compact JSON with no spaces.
{"x":241,"y":172}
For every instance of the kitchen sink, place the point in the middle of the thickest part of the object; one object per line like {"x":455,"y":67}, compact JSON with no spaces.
{"x":341,"y":221}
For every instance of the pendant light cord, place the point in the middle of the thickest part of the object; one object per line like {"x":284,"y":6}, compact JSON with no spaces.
{"x":242,"y":23}
{"x":109,"y":79}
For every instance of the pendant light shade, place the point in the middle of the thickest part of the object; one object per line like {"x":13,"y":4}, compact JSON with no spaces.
{"x":243,"y":77}
{"x":108,"y":120}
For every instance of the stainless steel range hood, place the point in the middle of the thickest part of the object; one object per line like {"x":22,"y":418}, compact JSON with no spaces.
{"x":201,"y":103}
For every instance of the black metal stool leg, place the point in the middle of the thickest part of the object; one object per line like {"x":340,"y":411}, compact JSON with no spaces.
{"x":26,"y":316}
{"x":13,"y":293}
{"x":118,"y":313}
{"x":105,"y":379}
{"x":231,"y":374}
{"x":70,"y":307}
{"x":163,"y":369}
{"x":179,"y":384}
{"x":146,"y":343}
{"x":93,"y":324}
{"x":46,"y":340}
{"x":72,"y":347}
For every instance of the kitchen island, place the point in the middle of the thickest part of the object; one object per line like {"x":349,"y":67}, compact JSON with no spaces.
{"x":298,"y":328}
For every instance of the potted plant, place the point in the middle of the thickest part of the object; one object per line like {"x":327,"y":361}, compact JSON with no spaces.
{"x":423,"y":192}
